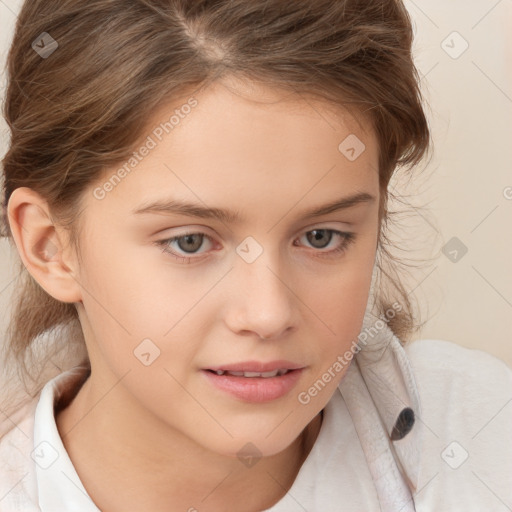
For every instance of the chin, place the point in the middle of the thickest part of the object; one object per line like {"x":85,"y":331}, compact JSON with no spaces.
{"x":251,"y":448}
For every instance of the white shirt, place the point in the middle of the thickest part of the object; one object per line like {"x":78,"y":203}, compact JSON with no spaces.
{"x":457,"y":457}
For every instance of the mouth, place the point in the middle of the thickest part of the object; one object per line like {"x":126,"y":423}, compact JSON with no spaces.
{"x":255,"y":382}
{"x":265,"y":375}
{"x":257,"y":368}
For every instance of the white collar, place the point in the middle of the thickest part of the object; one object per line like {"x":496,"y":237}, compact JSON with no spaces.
{"x":383,"y":399}
{"x":59,"y":486}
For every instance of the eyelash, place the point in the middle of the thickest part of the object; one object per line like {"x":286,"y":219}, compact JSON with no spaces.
{"x":348,"y":238}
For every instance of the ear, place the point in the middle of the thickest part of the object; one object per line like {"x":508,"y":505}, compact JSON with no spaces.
{"x":42,"y":245}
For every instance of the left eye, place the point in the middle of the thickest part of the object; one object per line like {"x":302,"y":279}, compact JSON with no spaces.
{"x":189,"y":243}
{"x":316,"y":235}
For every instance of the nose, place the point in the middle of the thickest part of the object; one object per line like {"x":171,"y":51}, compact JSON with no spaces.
{"x":261,"y":299}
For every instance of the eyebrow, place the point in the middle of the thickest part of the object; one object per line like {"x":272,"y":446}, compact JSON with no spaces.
{"x":174,"y":206}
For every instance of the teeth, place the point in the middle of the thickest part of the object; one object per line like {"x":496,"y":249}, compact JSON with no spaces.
{"x":257,"y":374}
{"x":265,"y":375}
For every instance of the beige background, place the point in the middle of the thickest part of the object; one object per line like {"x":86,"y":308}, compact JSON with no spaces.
{"x":464,"y":196}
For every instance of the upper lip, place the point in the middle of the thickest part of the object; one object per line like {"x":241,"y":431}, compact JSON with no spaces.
{"x":257,"y":366}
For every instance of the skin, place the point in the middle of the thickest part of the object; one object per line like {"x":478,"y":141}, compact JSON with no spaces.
{"x":171,"y":438}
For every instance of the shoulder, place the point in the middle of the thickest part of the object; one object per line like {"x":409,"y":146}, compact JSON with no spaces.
{"x":471,"y":374}
{"x":451,"y":355}
{"x":461,"y":388}
{"x":17,"y":468}
{"x":466,"y":420}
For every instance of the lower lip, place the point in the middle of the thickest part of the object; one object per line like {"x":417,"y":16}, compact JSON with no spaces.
{"x":255,"y":389}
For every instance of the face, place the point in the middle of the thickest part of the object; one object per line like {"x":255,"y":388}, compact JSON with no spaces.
{"x":171,"y":297}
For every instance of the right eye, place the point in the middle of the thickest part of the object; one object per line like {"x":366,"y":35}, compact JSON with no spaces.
{"x":187,"y":242}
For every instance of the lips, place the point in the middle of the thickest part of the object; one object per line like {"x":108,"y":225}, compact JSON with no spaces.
{"x":255,"y":381}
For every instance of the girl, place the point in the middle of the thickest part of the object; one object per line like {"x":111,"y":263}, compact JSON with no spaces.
{"x":262,"y":367}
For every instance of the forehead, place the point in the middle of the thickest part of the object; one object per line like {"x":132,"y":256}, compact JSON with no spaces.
{"x":252,"y":112}
{"x":249,"y":143}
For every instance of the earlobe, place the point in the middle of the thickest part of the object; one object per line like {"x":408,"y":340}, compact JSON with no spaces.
{"x":41,"y":246}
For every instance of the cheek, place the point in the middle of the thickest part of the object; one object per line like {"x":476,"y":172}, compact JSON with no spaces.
{"x":143,"y":315}
{"x":341,"y":311}
{"x":136,"y":287}
{"x":340,"y":304}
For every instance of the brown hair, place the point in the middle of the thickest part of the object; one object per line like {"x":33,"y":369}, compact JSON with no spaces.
{"x":84,"y":108}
